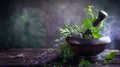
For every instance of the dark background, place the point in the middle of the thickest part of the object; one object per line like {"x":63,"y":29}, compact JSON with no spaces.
{"x":34,"y":23}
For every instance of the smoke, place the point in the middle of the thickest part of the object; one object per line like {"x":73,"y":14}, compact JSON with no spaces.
{"x":105,"y":39}
{"x":71,"y":13}
{"x":113,"y":30}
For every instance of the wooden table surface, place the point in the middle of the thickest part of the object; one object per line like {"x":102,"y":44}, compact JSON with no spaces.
{"x":37,"y":57}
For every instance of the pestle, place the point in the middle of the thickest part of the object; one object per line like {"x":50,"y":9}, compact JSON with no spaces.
{"x":101,"y":16}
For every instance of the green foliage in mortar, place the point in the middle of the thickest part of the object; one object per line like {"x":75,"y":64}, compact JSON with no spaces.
{"x":86,"y":24}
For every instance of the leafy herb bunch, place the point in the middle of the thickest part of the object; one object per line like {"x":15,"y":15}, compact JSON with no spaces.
{"x":87,"y":24}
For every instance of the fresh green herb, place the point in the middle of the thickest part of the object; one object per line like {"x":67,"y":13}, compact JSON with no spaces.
{"x":96,"y":63}
{"x":84,"y":63}
{"x":90,"y":11}
{"x":54,"y":66}
{"x":110,"y":56}
{"x":105,"y":62}
{"x":86,"y":24}
{"x":67,"y":30}
{"x":66,"y":52}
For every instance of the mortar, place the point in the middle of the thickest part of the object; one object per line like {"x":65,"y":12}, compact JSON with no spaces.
{"x":86,"y":47}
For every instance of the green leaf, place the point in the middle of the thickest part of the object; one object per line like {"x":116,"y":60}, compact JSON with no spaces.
{"x":101,"y":24}
{"x":89,"y":11}
{"x":96,"y":32}
{"x":110,"y":56}
{"x":105,"y":62}
{"x":84,"y":63}
{"x":87,"y":23}
{"x":96,"y":35}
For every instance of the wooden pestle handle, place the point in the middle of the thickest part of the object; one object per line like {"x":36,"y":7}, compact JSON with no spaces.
{"x":102,"y":15}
